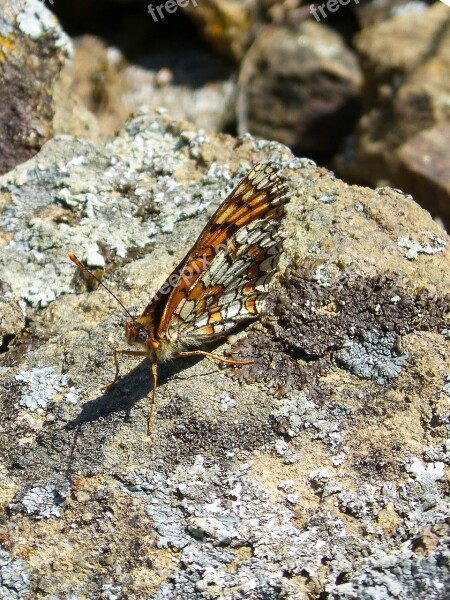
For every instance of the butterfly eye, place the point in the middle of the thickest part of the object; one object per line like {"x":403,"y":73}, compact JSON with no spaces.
{"x":141,"y":336}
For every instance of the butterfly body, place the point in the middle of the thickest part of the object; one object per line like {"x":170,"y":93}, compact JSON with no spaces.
{"x":221,"y":282}
{"x":140,"y":333}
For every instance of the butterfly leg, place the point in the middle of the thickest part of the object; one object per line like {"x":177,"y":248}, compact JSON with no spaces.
{"x":116,"y":362}
{"x":228,"y":361}
{"x":153,"y":402}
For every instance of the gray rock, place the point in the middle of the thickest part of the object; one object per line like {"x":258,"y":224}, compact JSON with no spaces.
{"x":202,"y":508}
{"x":399,"y":139}
{"x":32,"y":42}
{"x":301,"y":87}
{"x":401,"y":575}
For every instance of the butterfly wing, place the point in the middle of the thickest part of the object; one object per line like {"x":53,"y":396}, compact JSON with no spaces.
{"x":232,"y":289}
{"x":225,"y":276}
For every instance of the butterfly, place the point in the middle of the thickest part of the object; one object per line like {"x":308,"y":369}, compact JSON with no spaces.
{"x":221,"y":282}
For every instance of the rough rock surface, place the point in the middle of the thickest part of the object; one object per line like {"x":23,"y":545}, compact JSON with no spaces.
{"x":406,"y":66}
{"x":300,"y":86}
{"x":424,"y":168}
{"x":200,"y":88}
{"x":322,"y":468}
{"x":33,"y":49}
{"x":369,"y":13}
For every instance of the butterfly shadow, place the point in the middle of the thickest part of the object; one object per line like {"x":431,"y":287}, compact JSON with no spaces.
{"x":130,"y":389}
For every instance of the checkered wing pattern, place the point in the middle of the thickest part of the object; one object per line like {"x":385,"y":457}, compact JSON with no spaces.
{"x":225,"y":277}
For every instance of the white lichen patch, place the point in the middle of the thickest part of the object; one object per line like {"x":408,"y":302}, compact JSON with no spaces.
{"x":73,"y":395}
{"x":413,"y":248}
{"x":226,"y":401}
{"x":98,"y":202}
{"x":42,"y":502}
{"x":15,"y":580}
{"x":221,"y":511}
{"x":35,"y":20}
{"x":373,"y":357}
{"x":427,"y":475}
{"x":40,"y":387}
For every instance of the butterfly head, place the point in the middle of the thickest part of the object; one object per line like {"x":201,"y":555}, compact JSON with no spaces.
{"x":137,"y":334}
{"x":138,"y":331}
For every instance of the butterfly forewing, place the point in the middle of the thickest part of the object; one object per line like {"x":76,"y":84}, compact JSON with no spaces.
{"x":225,"y":277}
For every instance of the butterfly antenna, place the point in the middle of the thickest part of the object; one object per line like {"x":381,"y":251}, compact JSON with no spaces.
{"x":80,"y":265}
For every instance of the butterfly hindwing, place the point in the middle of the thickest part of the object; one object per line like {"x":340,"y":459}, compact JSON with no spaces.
{"x":232,"y":289}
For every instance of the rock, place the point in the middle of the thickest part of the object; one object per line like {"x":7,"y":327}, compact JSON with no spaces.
{"x":406,"y":65}
{"x":12,"y":321}
{"x":198,"y":87}
{"x":71,"y":115}
{"x":300,"y":87}
{"x":326,"y":474}
{"x":33,"y":49}
{"x":226,"y":24}
{"x":424,"y":169}
{"x":289,"y":12}
{"x":369,"y":13}
{"x":403,"y":572}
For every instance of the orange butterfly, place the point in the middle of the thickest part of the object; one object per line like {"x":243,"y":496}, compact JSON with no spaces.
{"x":221,"y":282}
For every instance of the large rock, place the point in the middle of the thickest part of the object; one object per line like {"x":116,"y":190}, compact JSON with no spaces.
{"x":194,"y":85}
{"x":424,"y":169}
{"x":301,"y":87}
{"x":406,"y":65}
{"x":320,"y":469}
{"x":33,"y":49}
{"x":369,"y":13}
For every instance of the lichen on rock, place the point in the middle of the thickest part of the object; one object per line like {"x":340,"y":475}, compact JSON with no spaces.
{"x":303,"y":474}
